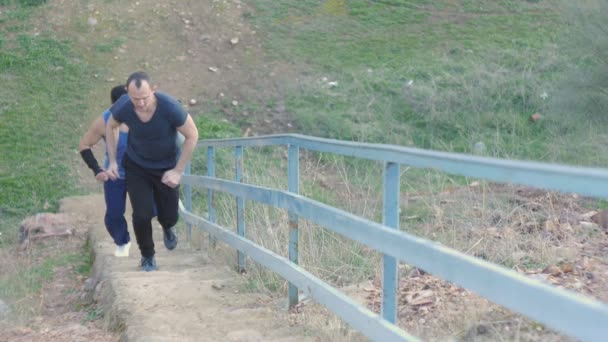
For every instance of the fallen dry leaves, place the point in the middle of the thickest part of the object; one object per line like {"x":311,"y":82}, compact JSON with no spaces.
{"x":419,"y":293}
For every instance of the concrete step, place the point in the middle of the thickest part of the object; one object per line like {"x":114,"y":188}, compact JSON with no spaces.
{"x":191,"y":297}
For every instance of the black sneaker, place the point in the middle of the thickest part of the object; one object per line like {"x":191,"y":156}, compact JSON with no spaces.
{"x":170,"y":238}
{"x":148,"y":264}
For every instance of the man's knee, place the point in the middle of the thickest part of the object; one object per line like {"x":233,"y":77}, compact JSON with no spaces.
{"x":167,"y":221}
{"x":141,"y":219}
{"x":113,"y":218}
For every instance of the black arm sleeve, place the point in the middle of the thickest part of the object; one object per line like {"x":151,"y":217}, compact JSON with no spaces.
{"x":89,"y":159}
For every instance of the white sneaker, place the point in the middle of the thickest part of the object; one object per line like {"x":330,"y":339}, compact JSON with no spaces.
{"x":122,"y":250}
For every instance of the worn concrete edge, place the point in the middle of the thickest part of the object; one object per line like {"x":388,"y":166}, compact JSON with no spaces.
{"x":105,"y":294}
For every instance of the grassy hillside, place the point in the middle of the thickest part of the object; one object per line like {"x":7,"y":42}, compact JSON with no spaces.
{"x":41,"y":108}
{"x":443,"y":74}
{"x":434,"y":74}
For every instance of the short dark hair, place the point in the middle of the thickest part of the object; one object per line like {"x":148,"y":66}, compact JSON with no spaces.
{"x":137,"y":77}
{"x":117,"y":92}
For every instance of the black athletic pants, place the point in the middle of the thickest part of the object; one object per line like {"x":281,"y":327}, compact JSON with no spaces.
{"x":145,"y":188}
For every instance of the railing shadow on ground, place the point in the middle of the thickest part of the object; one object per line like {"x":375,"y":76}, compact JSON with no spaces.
{"x":573,"y":314}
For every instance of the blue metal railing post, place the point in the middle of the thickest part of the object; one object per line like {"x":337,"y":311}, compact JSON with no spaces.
{"x":577,"y":315}
{"x":188,"y":195}
{"x":293,"y":185}
{"x":210,"y":194}
{"x":390,"y":219}
{"x":240,"y":205}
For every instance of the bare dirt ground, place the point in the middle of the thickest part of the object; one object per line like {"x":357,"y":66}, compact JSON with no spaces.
{"x":201,"y":50}
{"x":65,"y":309}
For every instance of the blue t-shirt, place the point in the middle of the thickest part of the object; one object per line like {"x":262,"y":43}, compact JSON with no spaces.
{"x":121,"y":146}
{"x":152,"y":144}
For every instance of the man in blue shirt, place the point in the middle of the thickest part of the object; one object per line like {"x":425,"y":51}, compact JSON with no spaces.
{"x":115,"y":191}
{"x":153,"y":163}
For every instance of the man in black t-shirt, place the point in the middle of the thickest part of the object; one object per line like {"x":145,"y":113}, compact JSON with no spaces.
{"x":153,"y":163}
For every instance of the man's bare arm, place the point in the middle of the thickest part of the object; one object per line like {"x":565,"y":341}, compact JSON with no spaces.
{"x":190,"y":133}
{"x":111,"y":145}
{"x":88,"y":140}
{"x":95,"y":133}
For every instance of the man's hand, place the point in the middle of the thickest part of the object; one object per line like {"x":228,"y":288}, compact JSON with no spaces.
{"x":102,"y":176}
{"x":171,"y":178}
{"x":112,"y":171}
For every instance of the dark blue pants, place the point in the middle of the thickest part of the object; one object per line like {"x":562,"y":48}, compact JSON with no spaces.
{"x":116,"y":196}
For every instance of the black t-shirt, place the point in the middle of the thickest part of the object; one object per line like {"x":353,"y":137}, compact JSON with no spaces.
{"x":151,"y":144}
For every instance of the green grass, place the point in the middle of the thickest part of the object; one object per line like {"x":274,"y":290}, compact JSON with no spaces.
{"x":211,"y":124}
{"x":42,"y":107}
{"x":27,"y":281}
{"x":94,"y":313}
{"x":25,"y":3}
{"x":30,"y":279}
{"x":478,"y":70}
{"x":440,"y":75}
{"x":109,"y":46}
{"x":41,"y":110}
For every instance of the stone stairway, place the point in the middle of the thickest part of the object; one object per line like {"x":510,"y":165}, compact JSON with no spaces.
{"x":190,"y":297}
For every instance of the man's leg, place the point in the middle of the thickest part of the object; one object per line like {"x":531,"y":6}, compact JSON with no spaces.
{"x":115,"y":193}
{"x":167,"y":199}
{"x":140,"y":189}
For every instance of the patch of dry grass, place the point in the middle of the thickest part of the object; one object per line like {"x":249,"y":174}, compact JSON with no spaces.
{"x":546,"y":235}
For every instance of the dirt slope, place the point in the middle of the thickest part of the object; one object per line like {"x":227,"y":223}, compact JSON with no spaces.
{"x":202,"y":50}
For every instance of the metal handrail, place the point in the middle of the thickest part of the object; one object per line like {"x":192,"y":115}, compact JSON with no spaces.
{"x":571,"y":313}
